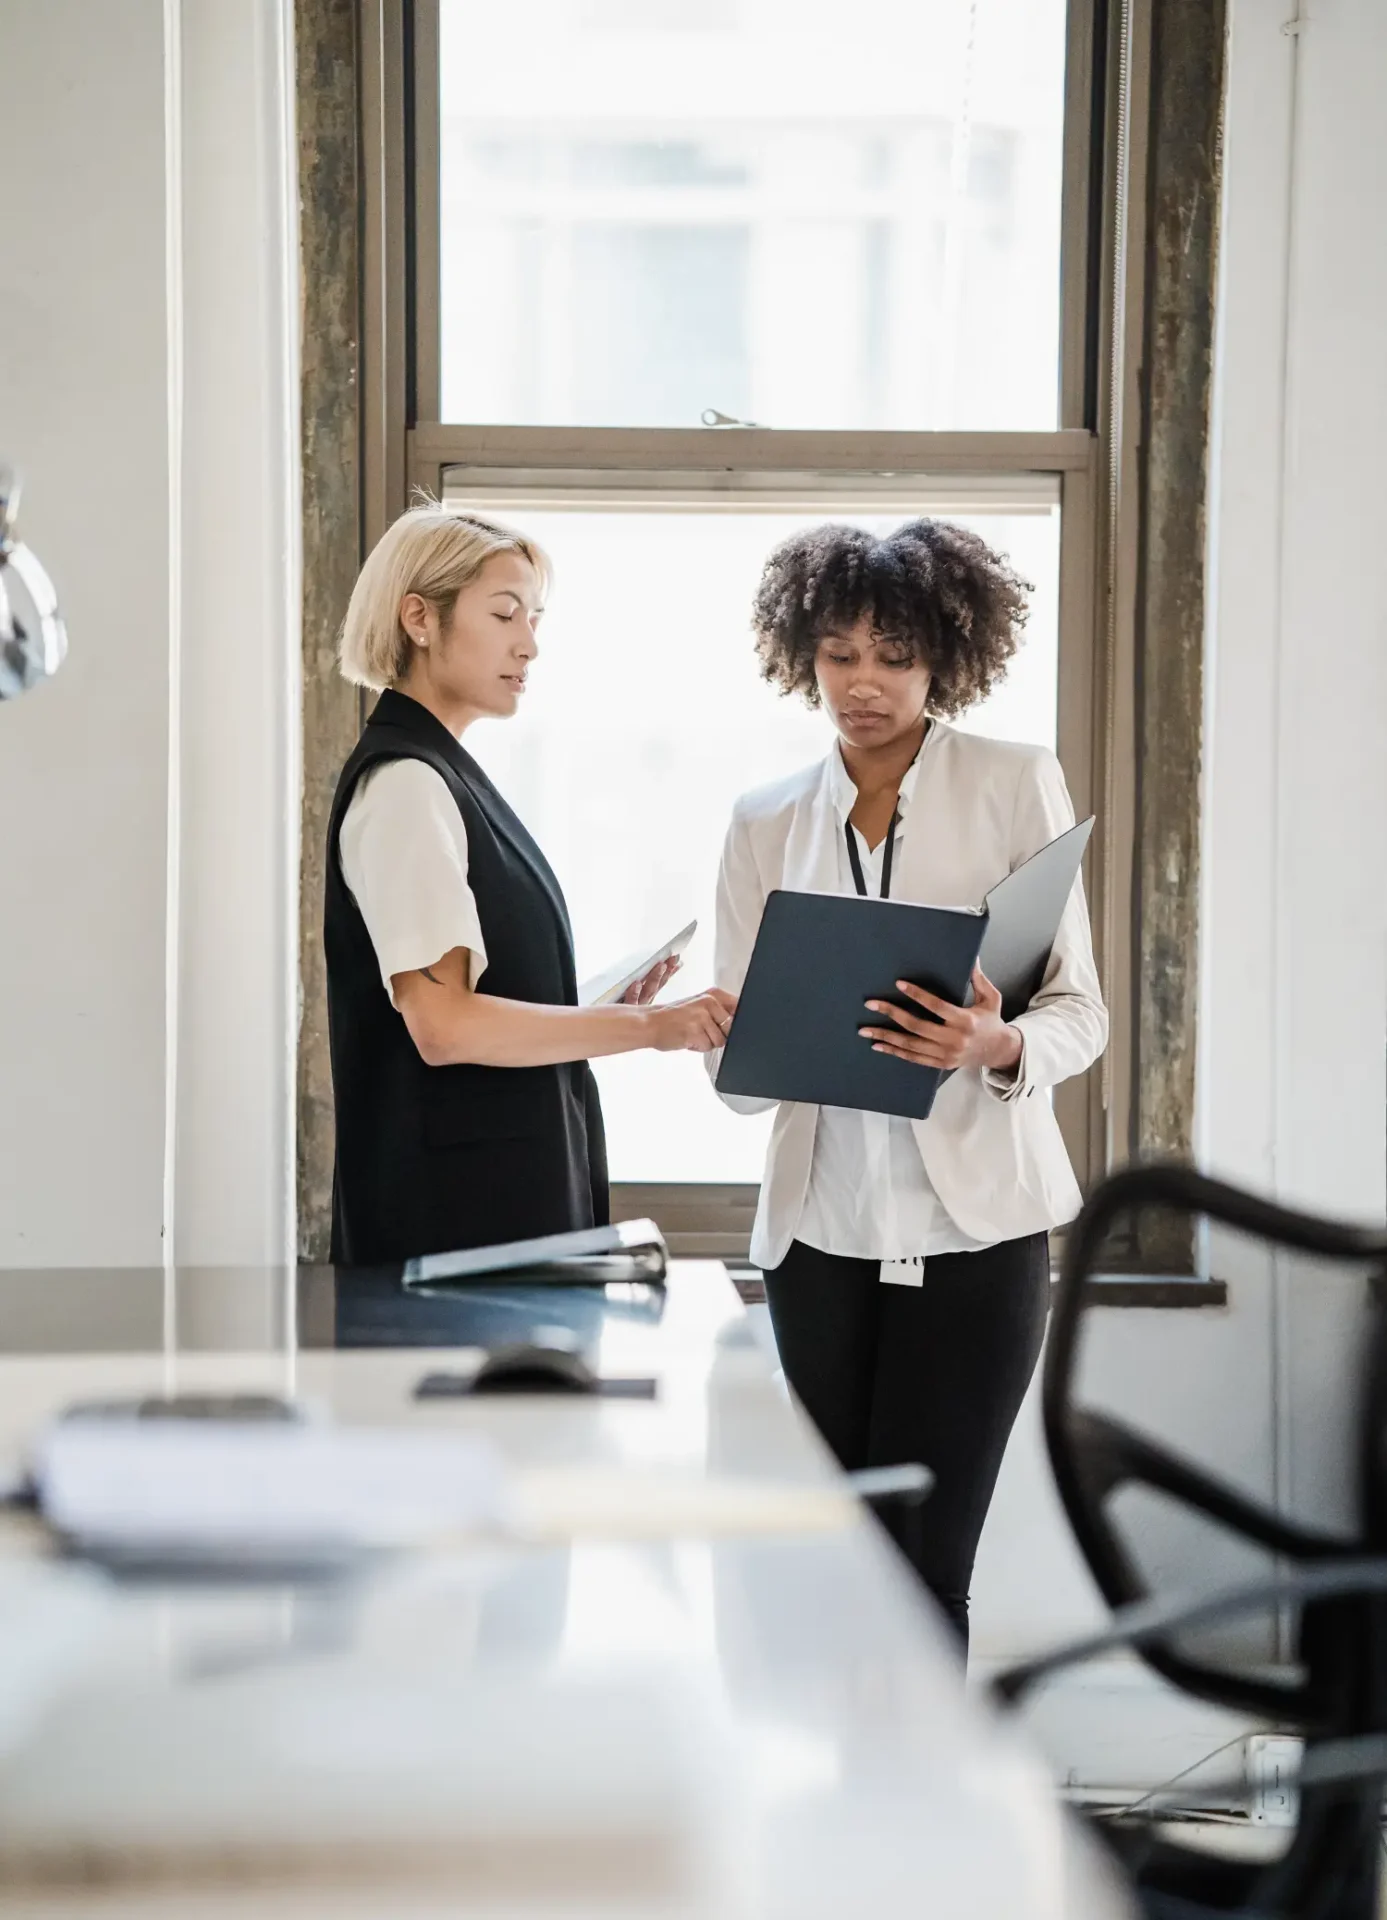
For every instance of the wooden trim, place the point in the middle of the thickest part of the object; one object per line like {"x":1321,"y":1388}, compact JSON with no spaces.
{"x":1083,"y":137}
{"x":425,"y":125}
{"x":1116,"y":392}
{"x":698,"y":1220}
{"x":568,"y":489}
{"x":1163,"y":1290}
{"x":1115,"y":395}
{"x":384,"y":301}
{"x":1104,"y":1289}
{"x":1082,"y":747}
{"x":740,"y":450}
{"x":326,"y":79}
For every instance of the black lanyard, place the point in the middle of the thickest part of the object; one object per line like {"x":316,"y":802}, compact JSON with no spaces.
{"x":859,"y":878}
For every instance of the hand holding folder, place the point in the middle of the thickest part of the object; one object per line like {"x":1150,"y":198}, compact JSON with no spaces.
{"x":931,"y":1032}
{"x":820,"y":958}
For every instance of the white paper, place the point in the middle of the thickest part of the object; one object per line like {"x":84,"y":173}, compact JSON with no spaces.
{"x":179,"y":1484}
{"x":592,"y":1502}
{"x":606,"y":987}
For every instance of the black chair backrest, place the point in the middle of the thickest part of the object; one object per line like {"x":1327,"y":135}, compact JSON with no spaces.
{"x":1097,"y":1457}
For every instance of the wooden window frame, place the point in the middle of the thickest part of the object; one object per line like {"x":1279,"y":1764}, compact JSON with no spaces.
{"x":1143,"y":91}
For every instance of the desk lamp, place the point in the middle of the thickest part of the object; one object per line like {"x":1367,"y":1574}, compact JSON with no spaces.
{"x":33,"y":640}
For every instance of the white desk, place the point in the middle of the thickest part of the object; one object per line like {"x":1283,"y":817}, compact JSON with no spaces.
{"x":767,"y":1726}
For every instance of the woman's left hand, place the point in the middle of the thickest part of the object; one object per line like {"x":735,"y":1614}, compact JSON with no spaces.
{"x":975,"y":1036}
{"x":644,"y":991}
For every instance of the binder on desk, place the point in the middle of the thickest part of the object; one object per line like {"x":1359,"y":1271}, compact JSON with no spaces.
{"x":591,"y":1256}
{"x":819,"y":957}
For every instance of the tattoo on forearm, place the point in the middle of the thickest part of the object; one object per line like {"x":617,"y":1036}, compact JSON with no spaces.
{"x":429,"y":974}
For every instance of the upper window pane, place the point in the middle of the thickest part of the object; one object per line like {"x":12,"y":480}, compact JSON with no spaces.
{"x":795,"y":212}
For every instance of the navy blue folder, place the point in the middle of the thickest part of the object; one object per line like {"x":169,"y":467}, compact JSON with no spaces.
{"x":819,"y":957}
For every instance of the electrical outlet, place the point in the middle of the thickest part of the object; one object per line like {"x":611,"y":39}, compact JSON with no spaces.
{"x":1272,"y":1762}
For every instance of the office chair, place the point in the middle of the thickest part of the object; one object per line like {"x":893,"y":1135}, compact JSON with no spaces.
{"x":1331,"y":1584}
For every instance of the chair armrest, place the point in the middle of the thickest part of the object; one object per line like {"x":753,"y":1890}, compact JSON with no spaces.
{"x":1155,"y":1619}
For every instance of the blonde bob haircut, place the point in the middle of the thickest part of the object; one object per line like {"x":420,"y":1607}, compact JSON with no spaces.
{"x":432,"y":551}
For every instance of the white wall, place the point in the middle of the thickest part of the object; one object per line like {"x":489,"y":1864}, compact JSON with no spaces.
{"x":149,"y":793}
{"x":1310,"y":659}
{"x":1293,"y":1096}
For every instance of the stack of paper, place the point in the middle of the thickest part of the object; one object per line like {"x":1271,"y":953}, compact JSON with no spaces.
{"x":222,"y":1490}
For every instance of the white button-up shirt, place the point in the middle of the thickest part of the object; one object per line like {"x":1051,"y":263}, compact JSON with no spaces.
{"x":403,"y":848}
{"x":869,"y":1196}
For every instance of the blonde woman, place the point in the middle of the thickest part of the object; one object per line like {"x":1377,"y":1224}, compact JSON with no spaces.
{"x":466,"y":1112}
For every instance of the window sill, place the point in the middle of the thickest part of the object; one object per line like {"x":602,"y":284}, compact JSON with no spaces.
{"x":1109,"y":1289}
{"x":1156,"y":1290}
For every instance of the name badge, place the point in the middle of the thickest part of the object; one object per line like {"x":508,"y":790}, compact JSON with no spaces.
{"x":903,"y":1273}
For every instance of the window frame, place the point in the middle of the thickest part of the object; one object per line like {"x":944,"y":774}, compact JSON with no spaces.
{"x":1140,"y":1096}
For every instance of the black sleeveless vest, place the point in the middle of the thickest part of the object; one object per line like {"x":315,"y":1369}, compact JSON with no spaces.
{"x":430,"y":1159}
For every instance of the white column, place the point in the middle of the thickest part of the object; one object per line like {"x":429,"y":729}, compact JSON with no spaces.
{"x":84,"y":412}
{"x":238,"y":759}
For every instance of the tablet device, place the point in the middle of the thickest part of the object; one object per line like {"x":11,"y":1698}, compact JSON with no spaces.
{"x":606,"y":988}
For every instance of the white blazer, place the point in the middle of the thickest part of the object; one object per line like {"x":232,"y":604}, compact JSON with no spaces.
{"x":980,"y":807}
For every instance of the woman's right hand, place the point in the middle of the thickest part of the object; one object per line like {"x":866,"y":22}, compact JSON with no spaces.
{"x":699,"y":1025}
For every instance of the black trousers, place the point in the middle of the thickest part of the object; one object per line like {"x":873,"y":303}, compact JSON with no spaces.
{"x":934,"y":1373}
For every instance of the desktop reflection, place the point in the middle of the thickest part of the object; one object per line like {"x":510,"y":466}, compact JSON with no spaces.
{"x":372,"y":1308}
{"x":274,"y":1310}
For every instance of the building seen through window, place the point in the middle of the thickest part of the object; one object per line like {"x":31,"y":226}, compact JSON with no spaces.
{"x":789,"y":211}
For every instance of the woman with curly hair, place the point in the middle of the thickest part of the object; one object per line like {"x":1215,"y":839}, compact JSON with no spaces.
{"x":906,"y":1262}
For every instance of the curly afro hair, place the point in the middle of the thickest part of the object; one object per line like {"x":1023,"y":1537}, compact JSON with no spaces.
{"x":934,"y":587}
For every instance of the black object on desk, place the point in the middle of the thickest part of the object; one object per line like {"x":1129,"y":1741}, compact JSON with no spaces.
{"x":819,"y":957}
{"x":549,"y":1363}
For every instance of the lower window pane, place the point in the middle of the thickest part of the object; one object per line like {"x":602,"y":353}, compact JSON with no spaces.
{"x":645,"y":719}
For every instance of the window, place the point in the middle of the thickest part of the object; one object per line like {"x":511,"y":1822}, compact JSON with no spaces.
{"x":933,"y":247}
{"x":783,"y":210}
{"x":660,"y":282}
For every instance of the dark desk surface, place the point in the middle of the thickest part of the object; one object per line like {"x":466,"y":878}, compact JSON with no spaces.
{"x":62,"y":1310}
